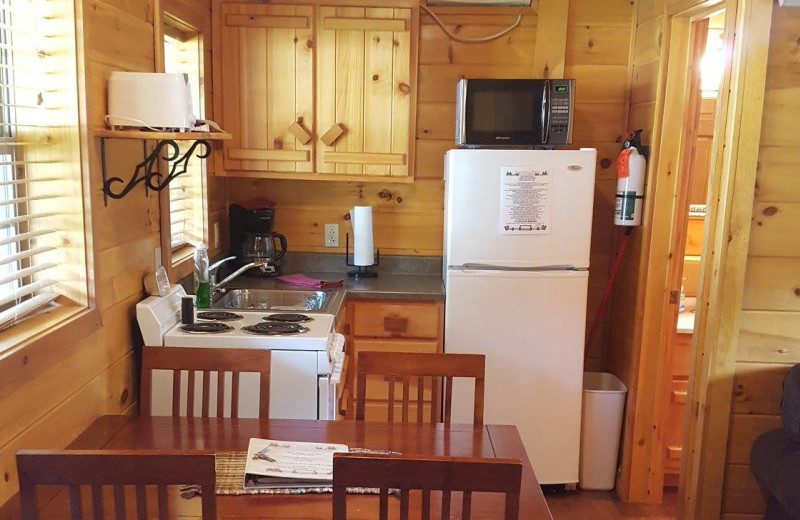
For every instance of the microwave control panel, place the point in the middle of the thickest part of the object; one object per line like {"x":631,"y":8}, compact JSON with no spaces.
{"x":560,"y":130}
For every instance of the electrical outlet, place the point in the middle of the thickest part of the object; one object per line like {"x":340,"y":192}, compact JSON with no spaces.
{"x":216,"y":235}
{"x":331,"y":235}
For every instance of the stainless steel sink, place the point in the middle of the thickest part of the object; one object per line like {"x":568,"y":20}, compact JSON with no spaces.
{"x":273,"y":300}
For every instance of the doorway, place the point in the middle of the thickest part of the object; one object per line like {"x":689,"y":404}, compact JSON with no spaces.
{"x":707,"y":66}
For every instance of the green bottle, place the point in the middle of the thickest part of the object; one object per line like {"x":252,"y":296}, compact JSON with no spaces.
{"x":202,"y":287}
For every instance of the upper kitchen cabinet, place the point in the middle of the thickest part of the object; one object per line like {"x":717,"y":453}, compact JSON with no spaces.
{"x":264,"y":57}
{"x":364,"y":91}
{"x":316,"y":91}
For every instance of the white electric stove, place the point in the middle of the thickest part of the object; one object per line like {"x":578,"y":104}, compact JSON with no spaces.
{"x":305,"y":364}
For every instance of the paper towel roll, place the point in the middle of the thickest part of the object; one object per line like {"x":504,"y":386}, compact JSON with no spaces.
{"x":363,"y":251}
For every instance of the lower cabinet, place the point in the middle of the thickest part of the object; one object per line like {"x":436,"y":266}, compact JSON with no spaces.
{"x":389,"y":326}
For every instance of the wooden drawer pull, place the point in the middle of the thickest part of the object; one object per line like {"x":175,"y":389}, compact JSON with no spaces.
{"x":332,"y":135}
{"x":395,"y":324}
{"x":679,"y":396}
{"x":302,"y":135}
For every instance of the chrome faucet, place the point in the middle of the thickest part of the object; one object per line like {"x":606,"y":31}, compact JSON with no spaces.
{"x":212,"y":273}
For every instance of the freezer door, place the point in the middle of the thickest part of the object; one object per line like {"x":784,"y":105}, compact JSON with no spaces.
{"x":531,"y":328}
{"x":484,"y":200}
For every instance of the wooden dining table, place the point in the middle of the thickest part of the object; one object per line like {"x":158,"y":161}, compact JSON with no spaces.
{"x":224,"y":435}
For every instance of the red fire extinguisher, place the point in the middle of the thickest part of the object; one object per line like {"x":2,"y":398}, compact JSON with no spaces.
{"x":631,"y":169}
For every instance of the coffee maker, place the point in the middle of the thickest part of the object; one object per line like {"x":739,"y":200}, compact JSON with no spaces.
{"x":252,"y":238}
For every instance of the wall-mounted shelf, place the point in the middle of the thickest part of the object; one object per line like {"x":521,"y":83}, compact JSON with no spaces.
{"x":162,"y":136}
{"x":166,"y":148}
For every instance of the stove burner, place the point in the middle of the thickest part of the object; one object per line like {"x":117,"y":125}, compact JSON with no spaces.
{"x":207,"y":327}
{"x":274,"y":328}
{"x":219,"y":316}
{"x":288,"y":318}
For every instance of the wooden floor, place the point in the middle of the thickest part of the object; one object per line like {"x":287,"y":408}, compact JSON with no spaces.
{"x":604,"y":505}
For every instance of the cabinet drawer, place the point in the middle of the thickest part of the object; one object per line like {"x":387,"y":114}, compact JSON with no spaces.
{"x":400,"y":320}
{"x":382,"y":345}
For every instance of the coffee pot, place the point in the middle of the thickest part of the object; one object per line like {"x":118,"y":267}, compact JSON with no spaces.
{"x":262,"y":247}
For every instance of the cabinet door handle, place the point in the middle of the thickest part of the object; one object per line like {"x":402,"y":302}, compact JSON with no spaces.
{"x":395,"y":324}
{"x":332,"y":135}
{"x":300,"y":133}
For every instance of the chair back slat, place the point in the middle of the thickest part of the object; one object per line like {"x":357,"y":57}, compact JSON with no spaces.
{"x":406,"y":385}
{"x":97,"y":468}
{"x":448,"y":399}
{"x":163,"y":503}
{"x":141,"y":503}
{"x":190,"y":395}
{"x":119,"y":500}
{"x":466,"y":505}
{"x":391,"y":398}
{"x":427,"y":474}
{"x":384,"y":504}
{"x":407,"y":367}
{"x":420,"y":398}
{"x":445,"y":504}
{"x":177,"y":375}
{"x":75,"y":506}
{"x":203,"y":362}
{"x":235,"y":394}
{"x":221,"y":394}
{"x":403,"y":504}
{"x":206,"y":391}
{"x":97,"y":502}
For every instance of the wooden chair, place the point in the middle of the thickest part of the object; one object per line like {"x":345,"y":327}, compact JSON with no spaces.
{"x":416,"y":367}
{"x":207,"y":361}
{"x":98,"y":468}
{"x":427,"y":474}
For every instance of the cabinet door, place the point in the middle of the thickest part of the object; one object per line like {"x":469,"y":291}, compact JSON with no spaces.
{"x":364,"y":90}
{"x":266,"y":56}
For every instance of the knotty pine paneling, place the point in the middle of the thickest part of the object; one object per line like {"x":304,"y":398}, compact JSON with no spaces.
{"x":49,"y":400}
{"x":408,"y":218}
{"x":769,"y":336}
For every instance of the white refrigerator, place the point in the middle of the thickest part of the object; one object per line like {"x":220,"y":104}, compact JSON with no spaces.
{"x":516,"y":258}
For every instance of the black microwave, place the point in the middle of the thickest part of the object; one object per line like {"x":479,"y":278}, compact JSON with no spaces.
{"x":514,"y":112}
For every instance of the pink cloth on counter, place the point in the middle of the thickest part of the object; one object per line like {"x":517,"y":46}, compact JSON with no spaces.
{"x":305,"y":281}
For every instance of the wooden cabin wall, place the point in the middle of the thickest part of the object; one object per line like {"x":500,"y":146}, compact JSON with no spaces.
{"x":50,"y":399}
{"x":769,"y":334}
{"x":645,"y":63}
{"x":408,"y":218}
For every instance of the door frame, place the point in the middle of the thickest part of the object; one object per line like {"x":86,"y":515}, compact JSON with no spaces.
{"x":727,"y":231}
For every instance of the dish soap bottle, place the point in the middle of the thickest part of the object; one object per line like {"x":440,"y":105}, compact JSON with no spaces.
{"x":202,"y":289}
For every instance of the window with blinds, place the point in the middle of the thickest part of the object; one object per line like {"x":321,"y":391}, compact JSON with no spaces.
{"x":187,"y":191}
{"x":42,"y":255}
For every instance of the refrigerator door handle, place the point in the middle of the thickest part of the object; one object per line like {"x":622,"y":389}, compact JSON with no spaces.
{"x":491,"y":267}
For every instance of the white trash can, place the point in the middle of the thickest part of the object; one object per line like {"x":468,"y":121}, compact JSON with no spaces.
{"x":601,"y":424}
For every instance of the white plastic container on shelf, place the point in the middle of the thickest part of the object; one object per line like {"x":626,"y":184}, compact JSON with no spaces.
{"x":601,"y":424}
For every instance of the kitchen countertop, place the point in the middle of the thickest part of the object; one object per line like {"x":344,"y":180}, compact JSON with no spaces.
{"x":399,"y":278}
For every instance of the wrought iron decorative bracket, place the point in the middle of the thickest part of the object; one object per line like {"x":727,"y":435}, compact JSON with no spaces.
{"x":147,"y":171}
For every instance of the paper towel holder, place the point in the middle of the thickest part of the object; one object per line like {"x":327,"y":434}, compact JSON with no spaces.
{"x":361,"y":271}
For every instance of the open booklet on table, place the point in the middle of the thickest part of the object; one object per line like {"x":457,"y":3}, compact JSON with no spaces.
{"x":287,"y":464}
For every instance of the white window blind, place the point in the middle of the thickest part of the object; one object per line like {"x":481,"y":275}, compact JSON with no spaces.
{"x":35,"y":157}
{"x":186,"y":195}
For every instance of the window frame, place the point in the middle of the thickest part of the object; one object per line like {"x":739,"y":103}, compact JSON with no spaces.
{"x":40,"y":336}
{"x":181,"y":18}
